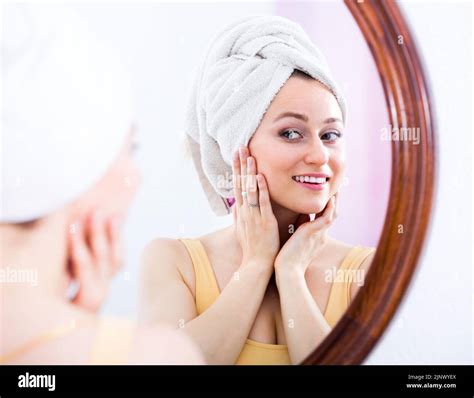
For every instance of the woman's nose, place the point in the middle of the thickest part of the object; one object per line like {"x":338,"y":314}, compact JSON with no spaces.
{"x":316,"y":152}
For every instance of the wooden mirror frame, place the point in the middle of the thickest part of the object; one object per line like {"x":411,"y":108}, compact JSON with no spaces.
{"x":411,"y":190}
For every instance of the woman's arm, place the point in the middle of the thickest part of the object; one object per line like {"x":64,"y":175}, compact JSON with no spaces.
{"x":304,"y":324}
{"x":221,"y":331}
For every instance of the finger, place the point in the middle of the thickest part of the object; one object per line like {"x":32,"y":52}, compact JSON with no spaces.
{"x":326,"y":217}
{"x":252,"y":183}
{"x":81,"y":260}
{"x":243,"y":153}
{"x":302,"y":219}
{"x":324,"y":211}
{"x":237,"y":179}
{"x":99,"y":242}
{"x":116,"y":244}
{"x":234,"y":214}
{"x":264,"y":197}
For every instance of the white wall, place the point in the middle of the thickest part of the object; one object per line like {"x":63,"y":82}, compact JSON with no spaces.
{"x":435,"y":322}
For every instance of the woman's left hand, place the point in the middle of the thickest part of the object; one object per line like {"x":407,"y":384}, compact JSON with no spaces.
{"x":306,"y":242}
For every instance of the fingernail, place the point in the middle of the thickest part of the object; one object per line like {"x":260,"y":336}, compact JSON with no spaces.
{"x":249,"y":162}
{"x":241,"y":151}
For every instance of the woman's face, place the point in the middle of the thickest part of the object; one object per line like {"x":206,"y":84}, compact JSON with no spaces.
{"x":301,"y":135}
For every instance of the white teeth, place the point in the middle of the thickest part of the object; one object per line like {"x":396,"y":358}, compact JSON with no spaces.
{"x":311,"y":180}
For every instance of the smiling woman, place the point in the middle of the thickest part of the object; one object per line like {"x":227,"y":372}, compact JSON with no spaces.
{"x":299,"y":140}
{"x":265,"y":127}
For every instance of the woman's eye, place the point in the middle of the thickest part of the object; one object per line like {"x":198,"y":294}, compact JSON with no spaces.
{"x":331,"y":136}
{"x":291,"y":134}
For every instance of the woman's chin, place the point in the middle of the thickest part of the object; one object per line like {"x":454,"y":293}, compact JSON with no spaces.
{"x":307,"y":208}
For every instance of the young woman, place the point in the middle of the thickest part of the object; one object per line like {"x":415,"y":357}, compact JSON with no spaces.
{"x":258,"y":292}
{"x":63,"y":202}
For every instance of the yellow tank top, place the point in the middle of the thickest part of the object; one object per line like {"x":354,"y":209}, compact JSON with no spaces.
{"x":254,"y":352}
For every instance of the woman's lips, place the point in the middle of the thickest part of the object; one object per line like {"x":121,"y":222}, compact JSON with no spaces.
{"x":312,"y":186}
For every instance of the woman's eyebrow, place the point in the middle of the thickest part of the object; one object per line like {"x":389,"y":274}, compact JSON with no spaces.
{"x":332,"y":120}
{"x":292,"y":114}
{"x":305,"y":118}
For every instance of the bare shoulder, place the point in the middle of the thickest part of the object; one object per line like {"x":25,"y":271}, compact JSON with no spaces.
{"x":342,"y":249}
{"x":334,"y":252}
{"x":165,"y":255}
{"x":172,"y":249}
{"x":339,"y":246}
{"x":363,"y":268}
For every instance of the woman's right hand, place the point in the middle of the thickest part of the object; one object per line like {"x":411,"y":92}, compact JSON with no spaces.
{"x":255,"y":224}
{"x":96,"y":255}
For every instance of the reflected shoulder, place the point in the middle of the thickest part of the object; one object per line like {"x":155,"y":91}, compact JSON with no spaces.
{"x":364,"y":267}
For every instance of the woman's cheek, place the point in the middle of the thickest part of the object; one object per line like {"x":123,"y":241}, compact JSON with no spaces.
{"x":337,"y":164}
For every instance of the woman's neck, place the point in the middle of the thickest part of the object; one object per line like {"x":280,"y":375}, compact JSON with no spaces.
{"x":287,"y":220}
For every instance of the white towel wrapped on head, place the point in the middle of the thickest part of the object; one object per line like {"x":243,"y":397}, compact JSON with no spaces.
{"x":66,"y":109}
{"x":244,"y":68}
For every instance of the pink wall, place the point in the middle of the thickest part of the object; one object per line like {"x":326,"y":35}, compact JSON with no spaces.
{"x":363,"y":201}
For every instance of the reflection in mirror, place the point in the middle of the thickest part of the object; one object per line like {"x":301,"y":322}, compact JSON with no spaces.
{"x":268,"y":132}
{"x":255,"y":132}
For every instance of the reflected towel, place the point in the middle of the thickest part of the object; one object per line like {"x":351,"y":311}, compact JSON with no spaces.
{"x":244,"y":68}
